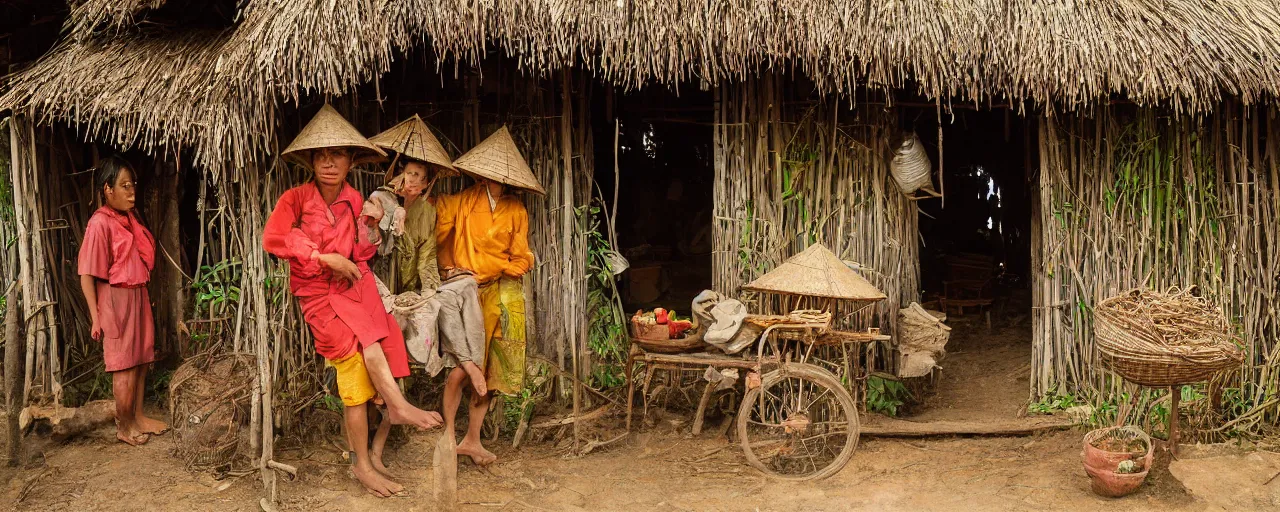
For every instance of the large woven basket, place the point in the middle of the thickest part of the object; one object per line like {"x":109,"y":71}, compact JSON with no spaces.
{"x":1138,"y":354}
{"x":209,"y":398}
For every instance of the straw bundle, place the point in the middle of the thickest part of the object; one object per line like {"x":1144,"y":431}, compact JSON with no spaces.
{"x":911,"y":167}
{"x":1166,"y":339}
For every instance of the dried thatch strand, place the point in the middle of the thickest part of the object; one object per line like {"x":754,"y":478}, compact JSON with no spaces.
{"x":86,"y":16}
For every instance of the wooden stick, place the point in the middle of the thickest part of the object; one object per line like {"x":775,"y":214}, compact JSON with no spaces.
{"x":292,"y":471}
{"x":575,"y":419}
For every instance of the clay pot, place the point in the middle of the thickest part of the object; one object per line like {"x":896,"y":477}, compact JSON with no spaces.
{"x":1110,"y":484}
{"x":1101,"y":464}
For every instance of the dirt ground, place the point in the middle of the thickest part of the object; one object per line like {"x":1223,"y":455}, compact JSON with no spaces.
{"x":985,"y":375}
{"x":661,"y":467}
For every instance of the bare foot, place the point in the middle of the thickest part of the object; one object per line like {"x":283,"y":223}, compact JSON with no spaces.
{"x":477,"y":378}
{"x":379,"y":466}
{"x":479,"y":455}
{"x":376,"y":484}
{"x":133,"y":438}
{"x":410,"y":415}
{"x":150,"y":426}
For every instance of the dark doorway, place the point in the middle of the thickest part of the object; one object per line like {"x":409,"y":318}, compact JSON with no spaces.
{"x":664,"y":191}
{"x":975,"y":260}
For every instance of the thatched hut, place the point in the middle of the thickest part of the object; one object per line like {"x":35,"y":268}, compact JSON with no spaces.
{"x":1146,"y":130}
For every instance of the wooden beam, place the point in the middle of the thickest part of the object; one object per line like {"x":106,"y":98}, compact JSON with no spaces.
{"x":888,"y":427}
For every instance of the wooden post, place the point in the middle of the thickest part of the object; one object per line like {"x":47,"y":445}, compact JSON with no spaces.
{"x":568,"y":221}
{"x":254,"y":306}
{"x":21,"y":134}
{"x":1175,"y":393}
{"x":13,"y":392}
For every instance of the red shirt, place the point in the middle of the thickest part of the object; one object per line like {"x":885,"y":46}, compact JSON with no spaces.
{"x":117,"y":249}
{"x":302,"y":223}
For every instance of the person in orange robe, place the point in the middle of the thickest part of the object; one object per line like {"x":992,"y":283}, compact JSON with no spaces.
{"x":485,"y":231}
{"x":315,"y":227}
{"x":115,"y":263}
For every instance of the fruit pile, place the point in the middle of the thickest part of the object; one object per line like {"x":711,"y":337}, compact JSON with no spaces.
{"x":649,"y":324}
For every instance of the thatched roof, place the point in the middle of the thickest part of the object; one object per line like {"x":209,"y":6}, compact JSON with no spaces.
{"x":1066,"y":54}
{"x":88,"y":15}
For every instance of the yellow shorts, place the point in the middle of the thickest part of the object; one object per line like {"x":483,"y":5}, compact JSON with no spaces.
{"x":354,"y":385}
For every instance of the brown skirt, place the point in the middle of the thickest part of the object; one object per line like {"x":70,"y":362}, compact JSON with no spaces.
{"x":128,"y":330}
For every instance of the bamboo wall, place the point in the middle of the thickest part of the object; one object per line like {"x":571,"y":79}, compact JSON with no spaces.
{"x":793,"y":169}
{"x":54,"y":197}
{"x":1132,"y":198}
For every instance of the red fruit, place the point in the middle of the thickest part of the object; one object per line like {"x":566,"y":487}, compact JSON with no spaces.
{"x":678,"y":328}
{"x":661,"y":315}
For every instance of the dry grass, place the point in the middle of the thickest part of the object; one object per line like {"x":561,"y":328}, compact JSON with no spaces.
{"x":216,"y":92}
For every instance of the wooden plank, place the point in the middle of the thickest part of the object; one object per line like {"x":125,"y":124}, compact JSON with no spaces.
{"x":888,"y":427}
{"x":700,"y":360}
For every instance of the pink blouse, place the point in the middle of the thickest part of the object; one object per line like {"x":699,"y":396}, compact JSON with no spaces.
{"x":117,"y":249}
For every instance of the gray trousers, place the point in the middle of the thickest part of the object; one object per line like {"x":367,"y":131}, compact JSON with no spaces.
{"x":447,"y":328}
{"x":461,"y":322}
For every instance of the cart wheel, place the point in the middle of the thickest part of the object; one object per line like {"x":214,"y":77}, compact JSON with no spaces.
{"x":799,"y":424}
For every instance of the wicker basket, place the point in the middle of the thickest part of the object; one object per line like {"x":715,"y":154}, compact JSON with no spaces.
{"x":1141,"y":356}
{"x":208,"y":403}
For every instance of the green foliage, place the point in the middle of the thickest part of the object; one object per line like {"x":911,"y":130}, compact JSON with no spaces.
{"x":1052,"y":402}
{"x":518,"y":408}
{"x":329,"y":402}
{"x":216,"y":288}
{"x":798,"y":161}
{"x":607,"y":327}
{"x":158,"y":386}
{"x":886,"y":396}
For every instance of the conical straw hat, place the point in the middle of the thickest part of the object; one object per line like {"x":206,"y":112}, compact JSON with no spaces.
{"x":329,"y":130}
{"x":816,"y":272}
{"x":411,"y":138}
{"x":498,"y":159}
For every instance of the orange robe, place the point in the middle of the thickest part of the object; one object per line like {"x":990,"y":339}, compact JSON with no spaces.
{"x":495,"y":245}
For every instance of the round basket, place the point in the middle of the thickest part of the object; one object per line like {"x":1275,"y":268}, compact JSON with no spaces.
{"x":208,"y":402}
{"x":1137,"y":352}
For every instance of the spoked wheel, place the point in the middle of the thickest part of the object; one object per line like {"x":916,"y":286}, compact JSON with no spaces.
{"x":799,"y":424}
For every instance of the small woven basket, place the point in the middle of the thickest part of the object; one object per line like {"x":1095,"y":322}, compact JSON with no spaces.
{"x":1138,"y":353}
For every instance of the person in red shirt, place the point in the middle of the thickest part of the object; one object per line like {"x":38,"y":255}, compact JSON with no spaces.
{"x":115,"y":262}
{"x":317,"y":229}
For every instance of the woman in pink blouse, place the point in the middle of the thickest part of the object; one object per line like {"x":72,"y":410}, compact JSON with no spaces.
{"x":115,"y":262}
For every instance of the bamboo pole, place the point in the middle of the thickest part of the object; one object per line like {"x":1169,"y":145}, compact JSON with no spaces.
{"x":568,"y":220}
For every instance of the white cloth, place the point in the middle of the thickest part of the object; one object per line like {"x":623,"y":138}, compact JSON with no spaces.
{"x":442,"y":327}
{"x":392,"y":220}
{"x":720,"y":322}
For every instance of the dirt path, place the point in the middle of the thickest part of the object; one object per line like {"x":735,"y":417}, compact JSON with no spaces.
{"x":649,"y":471}
{"x":984,"y":376}
{"x":662,"y":468}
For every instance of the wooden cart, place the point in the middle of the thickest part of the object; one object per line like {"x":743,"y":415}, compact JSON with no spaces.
{"x":797,"y":420}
